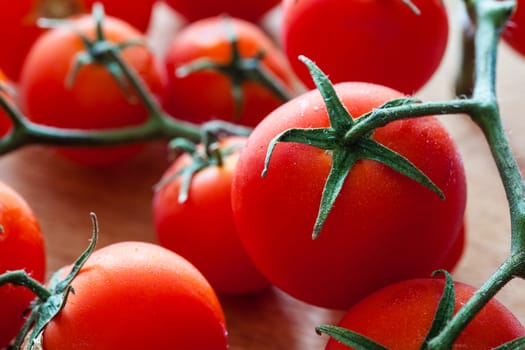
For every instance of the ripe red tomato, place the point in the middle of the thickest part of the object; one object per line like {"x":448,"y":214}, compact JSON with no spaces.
{"x":212,"y":245}
{"x":19,"y":30}
{"x":399,"y":317}
{"x":21,"y":247}
{"x":194,"y":10}
{"x":5,"y":121}
{"x":135,"y":295}
{"x":514,"y":32}
{"x":382,"y":42}
{"x":95,"y":100}
{"x":208,"y":94}
{"x":383,"y":226}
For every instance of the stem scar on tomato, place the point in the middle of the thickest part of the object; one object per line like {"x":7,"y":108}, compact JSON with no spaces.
{"x":344,"y":152}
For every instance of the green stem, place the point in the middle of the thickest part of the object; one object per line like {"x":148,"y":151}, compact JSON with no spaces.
{"x":21,"y":278}
{"x":490,"y":18}
{"x":482,"y":296}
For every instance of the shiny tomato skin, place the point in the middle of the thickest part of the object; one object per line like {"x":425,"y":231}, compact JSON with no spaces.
{"x":382,"y":42}
{"x":206,"y":95}
{"x":19,"y":29}
{"x":514,"y":32}
{"x":137,"y":295}
{"x":22,"y":246}
{"x":383,"y":226}
{"x":193,"y":10}
{"x":95,"y":100}
{"x":399,"y":317}
{"x":212,"y":245}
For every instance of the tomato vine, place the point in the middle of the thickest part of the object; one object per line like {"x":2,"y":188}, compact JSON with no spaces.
{"x":489,"y":18}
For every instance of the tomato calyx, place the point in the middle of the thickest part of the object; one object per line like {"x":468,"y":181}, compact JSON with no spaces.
{"x":50,"y":300}
{"x":238,"y":70}
{"x":98,"y":51}
{"x":345,"y":152}
{"x":443,"y":315}
{"x":210,"y":154}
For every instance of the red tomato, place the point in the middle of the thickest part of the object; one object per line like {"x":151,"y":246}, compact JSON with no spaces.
{"x":21,"y":247}
{"x":19,"y":30}
{"x":455,"y":252}
{"x":514,"y":33}
{"x":95,"y":100}
{"x":135,"y":295}
{"x":383,"y":226}
{"x":5,"y":120}
{"x":204,"y":95}
{"x":377,"y":41}
{"x":212,"y":245}
{"x":193,"y":10}
{"x":399,"y":317}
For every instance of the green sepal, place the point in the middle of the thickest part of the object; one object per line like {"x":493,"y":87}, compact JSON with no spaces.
{"x":340,"y":118}
{"x":349,"y":337}
{"x":97,"y":50}
{"x":373,"y":150}
{"x":43,"y":311}
{"x":323,"y":138}
{"x":238,"y":70}
{"x":212,"y":155}
{"x":342,"y":163}
{"x":516,"y":344}
{"x":444,"y":311}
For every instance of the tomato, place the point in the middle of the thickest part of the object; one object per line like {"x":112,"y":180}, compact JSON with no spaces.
{"x":383,"y":226}
{"x":136,"y":295}
{"x":5,"y":89}
{"x":95,"y":100}
{"x":455,"y":252}
{"x":22,"y":246}
{"x":208,"y":94}
{"x":514,"y":32}
{"x":19,"y":30}
{"x":212,"y":245}
{"x":399,"y":317}
{"x":377,"y":41}
{"x":193,"y":10}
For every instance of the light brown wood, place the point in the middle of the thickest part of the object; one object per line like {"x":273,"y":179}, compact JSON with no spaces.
{"x":62,"y":194}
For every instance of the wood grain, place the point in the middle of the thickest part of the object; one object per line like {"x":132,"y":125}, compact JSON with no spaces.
{"x":62,"y":194}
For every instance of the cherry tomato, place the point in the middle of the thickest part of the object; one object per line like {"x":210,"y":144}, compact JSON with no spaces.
{"x":514,"y":32}
{"x":212,"y":245}
{"x":19,"y":29}
{"x":208,"y":94}
{"x":94,"y":100}
{"x":5,"y":87}
{"x":399,"y":317}
{"x":194,"y":10}
{"x":383,"y":226}
{"x":136,"y":295}
{"x":21,"y":247}
{"x":382,"y":42}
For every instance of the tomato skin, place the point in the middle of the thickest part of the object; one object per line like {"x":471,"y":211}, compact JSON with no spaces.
{"x":19,"y":29}
{"x":206,"y":95}
{"x":514,"y":32}
{"x":136,"y":295}
{"x":399,"y":317}
{"x":212,"y":245}
{"x":354,"y":254}
{"x":22,"y":246}
{"x":382,"y":42}
{"x":193,"y":10}
{"x":47,"y":100}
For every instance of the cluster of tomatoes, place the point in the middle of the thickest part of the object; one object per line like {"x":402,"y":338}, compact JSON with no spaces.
{"x":384,"y":236}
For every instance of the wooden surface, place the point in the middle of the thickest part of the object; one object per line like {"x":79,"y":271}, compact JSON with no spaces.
{"x":62,"y":194}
